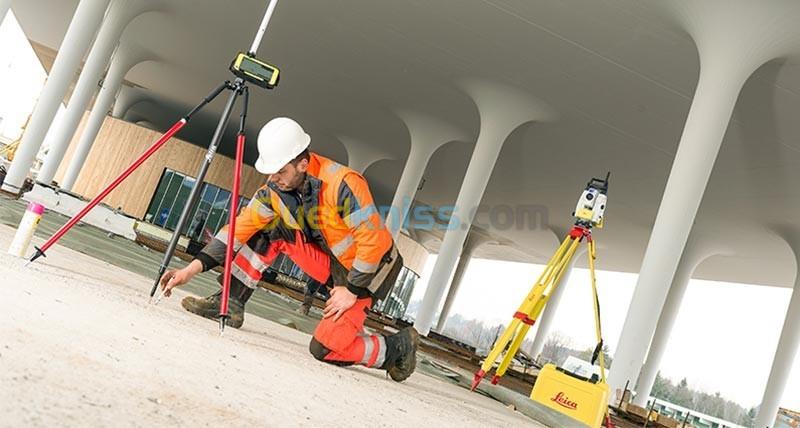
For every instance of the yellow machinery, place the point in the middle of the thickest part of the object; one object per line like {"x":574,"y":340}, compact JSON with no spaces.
{"x":583,"y":399}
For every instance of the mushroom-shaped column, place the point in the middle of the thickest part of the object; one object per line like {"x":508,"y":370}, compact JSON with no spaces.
{"x":126,"y":57}
{"x":733,"y":39}
{"x":545,"y":321}
{"x":474,"y":240}
{"x":79,"y":35}
{"x":146,"y":124}
{"x":361,"y":155}
{"x":127,"y":98}
{"x":788,"y":343}
{"x":694,"y":254}
{"x":119,"y":15}
{"x":502,"y":109}
{"x":427,"y":135}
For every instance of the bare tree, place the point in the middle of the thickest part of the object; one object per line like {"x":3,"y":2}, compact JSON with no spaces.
{"x":557,"y":348}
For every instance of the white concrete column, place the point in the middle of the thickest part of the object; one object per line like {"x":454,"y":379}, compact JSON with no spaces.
{"x":788,"y":345}
{"x":733,"y":38}
{"x":461,"y":268}
{"x":361,"y":155}
{"x":692,"y":257}
{"x":545,"y":322}
{"x":147,"y":124}
{"x":413,"y":171}
{"x":125,"y":58}
{"x":708,"y":119}
{"x":427,"y":135}
{"x":83,"y":26}
{"x":107,"y":39}
{"x":126,"y":99}
{"x":502,"y":109}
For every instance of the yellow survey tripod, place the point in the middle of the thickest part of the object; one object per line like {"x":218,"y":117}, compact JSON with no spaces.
{"x":588,"y":213}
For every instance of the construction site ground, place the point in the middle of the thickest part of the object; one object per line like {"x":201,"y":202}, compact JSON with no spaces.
{"x":81,"y":345}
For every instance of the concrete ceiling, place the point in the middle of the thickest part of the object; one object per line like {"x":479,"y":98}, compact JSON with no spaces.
{"x":620,"y":74}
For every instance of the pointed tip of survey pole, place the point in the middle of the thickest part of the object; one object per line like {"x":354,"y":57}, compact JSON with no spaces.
{"x":222,"y":321}
{"x":161,"y":270}
{"x":36,"y":255}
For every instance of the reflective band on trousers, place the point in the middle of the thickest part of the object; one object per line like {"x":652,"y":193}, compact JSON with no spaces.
{"x":374,"y":351}
{"x":243,"y":276}
{"x":248,"y":266}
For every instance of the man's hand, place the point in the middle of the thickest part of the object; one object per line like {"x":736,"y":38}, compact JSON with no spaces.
{"x":173,"y":278}
{"x":340,"y":301}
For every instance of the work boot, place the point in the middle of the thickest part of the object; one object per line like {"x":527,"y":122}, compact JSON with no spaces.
{"x":308,"y":301}
{"x":208,"y":307}
{"x":304,"y":309}
{"x":401,"y":354}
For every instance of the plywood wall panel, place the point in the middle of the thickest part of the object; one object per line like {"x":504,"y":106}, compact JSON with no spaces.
{"x":119,"y":143}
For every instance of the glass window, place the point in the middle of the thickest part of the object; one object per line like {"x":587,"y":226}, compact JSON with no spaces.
{"x":216,"y":217}
{"x":198,"y":230}
{"x":181,"y":199}
{"x":164,"y":208}
{"x":155,"y":202}
{"x":172,"y":195}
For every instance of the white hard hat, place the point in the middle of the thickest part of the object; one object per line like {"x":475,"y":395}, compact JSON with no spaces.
{"x":280,"y":141}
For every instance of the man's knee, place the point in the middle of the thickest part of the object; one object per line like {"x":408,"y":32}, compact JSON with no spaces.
{"x":318,"y":350}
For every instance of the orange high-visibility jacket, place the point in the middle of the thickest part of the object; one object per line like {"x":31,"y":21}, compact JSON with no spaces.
{"x":337,"y":211}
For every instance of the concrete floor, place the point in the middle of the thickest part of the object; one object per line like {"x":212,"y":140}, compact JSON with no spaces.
{"x":80,"y":345}
{"x":141,"y":260}
{"x":137,"y":264}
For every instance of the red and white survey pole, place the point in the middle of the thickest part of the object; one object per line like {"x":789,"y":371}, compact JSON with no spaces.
{"x":232,"y":212}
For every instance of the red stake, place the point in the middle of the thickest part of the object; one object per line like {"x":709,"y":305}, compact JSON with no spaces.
{"x":66,"y":227}
{"x":226,"y":282}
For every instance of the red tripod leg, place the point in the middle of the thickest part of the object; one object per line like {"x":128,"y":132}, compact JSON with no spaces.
{"x":75,"y":219}
{"x":157,"y":145}
{"x":226,"y":282}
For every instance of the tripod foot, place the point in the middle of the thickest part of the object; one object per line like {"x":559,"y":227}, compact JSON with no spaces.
{"x":36,"y":255}
{"x":161,"y":270}
{"x":477,"y":379}
{"x":222,"y":321}
{"x":495,"y":379}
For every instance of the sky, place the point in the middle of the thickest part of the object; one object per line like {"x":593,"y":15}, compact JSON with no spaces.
{"x":723,"y":340}
{"x":21,"y":80}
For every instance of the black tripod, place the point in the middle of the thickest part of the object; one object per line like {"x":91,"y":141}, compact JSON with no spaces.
{"x":237,"y":88}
